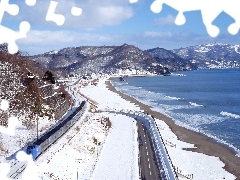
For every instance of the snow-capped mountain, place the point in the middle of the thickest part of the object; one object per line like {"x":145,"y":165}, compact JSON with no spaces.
{"x":171,"y":60}
{"x":214,"y":55}
{"x":128,"y":59}
{"x":102,"y":59}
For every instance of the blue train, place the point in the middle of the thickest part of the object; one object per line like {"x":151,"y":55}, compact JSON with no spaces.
{"x":49,"y":137}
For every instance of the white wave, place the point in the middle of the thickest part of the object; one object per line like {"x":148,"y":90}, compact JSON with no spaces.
{"x":116,"y":84}
{"x":196,"y":120}
{"x":188,"y":121}
{"x":193,"y":122}
{"x":173,"y":98}
{"x":221,"y":141}
{"x":143,"y":94}
{"x":231,"y":115}
{"x":195,"y":104}
{"x":140,"y":94}
{"x":178,"y":74}
{"x":195,"y":127}
{"x":169,"y":108}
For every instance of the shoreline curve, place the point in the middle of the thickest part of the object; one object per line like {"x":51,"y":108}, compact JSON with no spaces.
{"x":202,"y":143}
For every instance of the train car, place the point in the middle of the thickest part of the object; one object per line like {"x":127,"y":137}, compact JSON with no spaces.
{"x":46,"y":140}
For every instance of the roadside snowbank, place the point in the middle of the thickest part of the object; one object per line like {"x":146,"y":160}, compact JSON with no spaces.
{"x":119,"y":158}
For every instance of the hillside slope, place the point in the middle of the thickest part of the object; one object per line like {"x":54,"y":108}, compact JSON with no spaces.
{"x":171,"y":60}
{"x":214,"y":55}
{"x":102,"y":59}
{"x":32,"y":98}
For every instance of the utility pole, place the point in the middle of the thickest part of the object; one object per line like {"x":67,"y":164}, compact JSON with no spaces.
{"x":37,"y":128}
{"x":97,"y":148}
{"x":78,"y":161}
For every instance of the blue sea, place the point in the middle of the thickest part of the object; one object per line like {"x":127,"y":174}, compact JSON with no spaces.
{"x":206,"y":101}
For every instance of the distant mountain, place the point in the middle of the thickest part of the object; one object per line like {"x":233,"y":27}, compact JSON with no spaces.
{"x":171,"y":60}
{"x":214,"y":55}
{"x":126,"y":59}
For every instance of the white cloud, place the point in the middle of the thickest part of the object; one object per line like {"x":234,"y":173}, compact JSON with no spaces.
{"x":57,"y":37}
{"x":95,"y":13}
{"x":172,"y":40}
{"x":168,"y":20}
{"x":42,"y":41}
{"x":113,"y":15}
{"x":152,"y":34}
{"x":99,"y":13}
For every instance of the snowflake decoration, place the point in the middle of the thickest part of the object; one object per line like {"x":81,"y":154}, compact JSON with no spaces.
{"x":12,"y":121}
{"x":209,"y":10}
{"x":9,"y":36}
{"x":31,"y":171}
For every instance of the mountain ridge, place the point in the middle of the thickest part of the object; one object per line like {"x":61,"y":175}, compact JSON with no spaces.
{"x":126,"y":59}
{"x":212,"y":55}
{"x":171,"y":60}
{"x":129,"y":59}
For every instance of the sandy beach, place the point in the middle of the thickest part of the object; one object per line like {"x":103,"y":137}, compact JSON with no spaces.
{"x":203,"y":144}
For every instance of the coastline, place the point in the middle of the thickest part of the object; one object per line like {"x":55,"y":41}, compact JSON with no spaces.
{"x":202,"y":143}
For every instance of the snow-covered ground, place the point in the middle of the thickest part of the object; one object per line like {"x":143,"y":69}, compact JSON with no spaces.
{"x":75,"y":154}
{"x":103,"y":145}
{"x":92,"y":150}
{"x":11,"y":144}
{"x":118,"y":159}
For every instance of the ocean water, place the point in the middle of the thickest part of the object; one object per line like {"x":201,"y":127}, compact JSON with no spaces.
{"x":206,"y":101}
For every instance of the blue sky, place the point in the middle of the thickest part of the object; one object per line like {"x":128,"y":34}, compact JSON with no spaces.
{"x":113,"y":22}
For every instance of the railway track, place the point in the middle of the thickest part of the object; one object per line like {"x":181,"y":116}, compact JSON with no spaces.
{"x":16,"y":169}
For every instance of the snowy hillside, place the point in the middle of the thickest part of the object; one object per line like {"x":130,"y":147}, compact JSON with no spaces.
{"x":169,"y":59}
{"x":31,"y":99}
{"x":126,"y":59}
{"x":214,"y":55}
